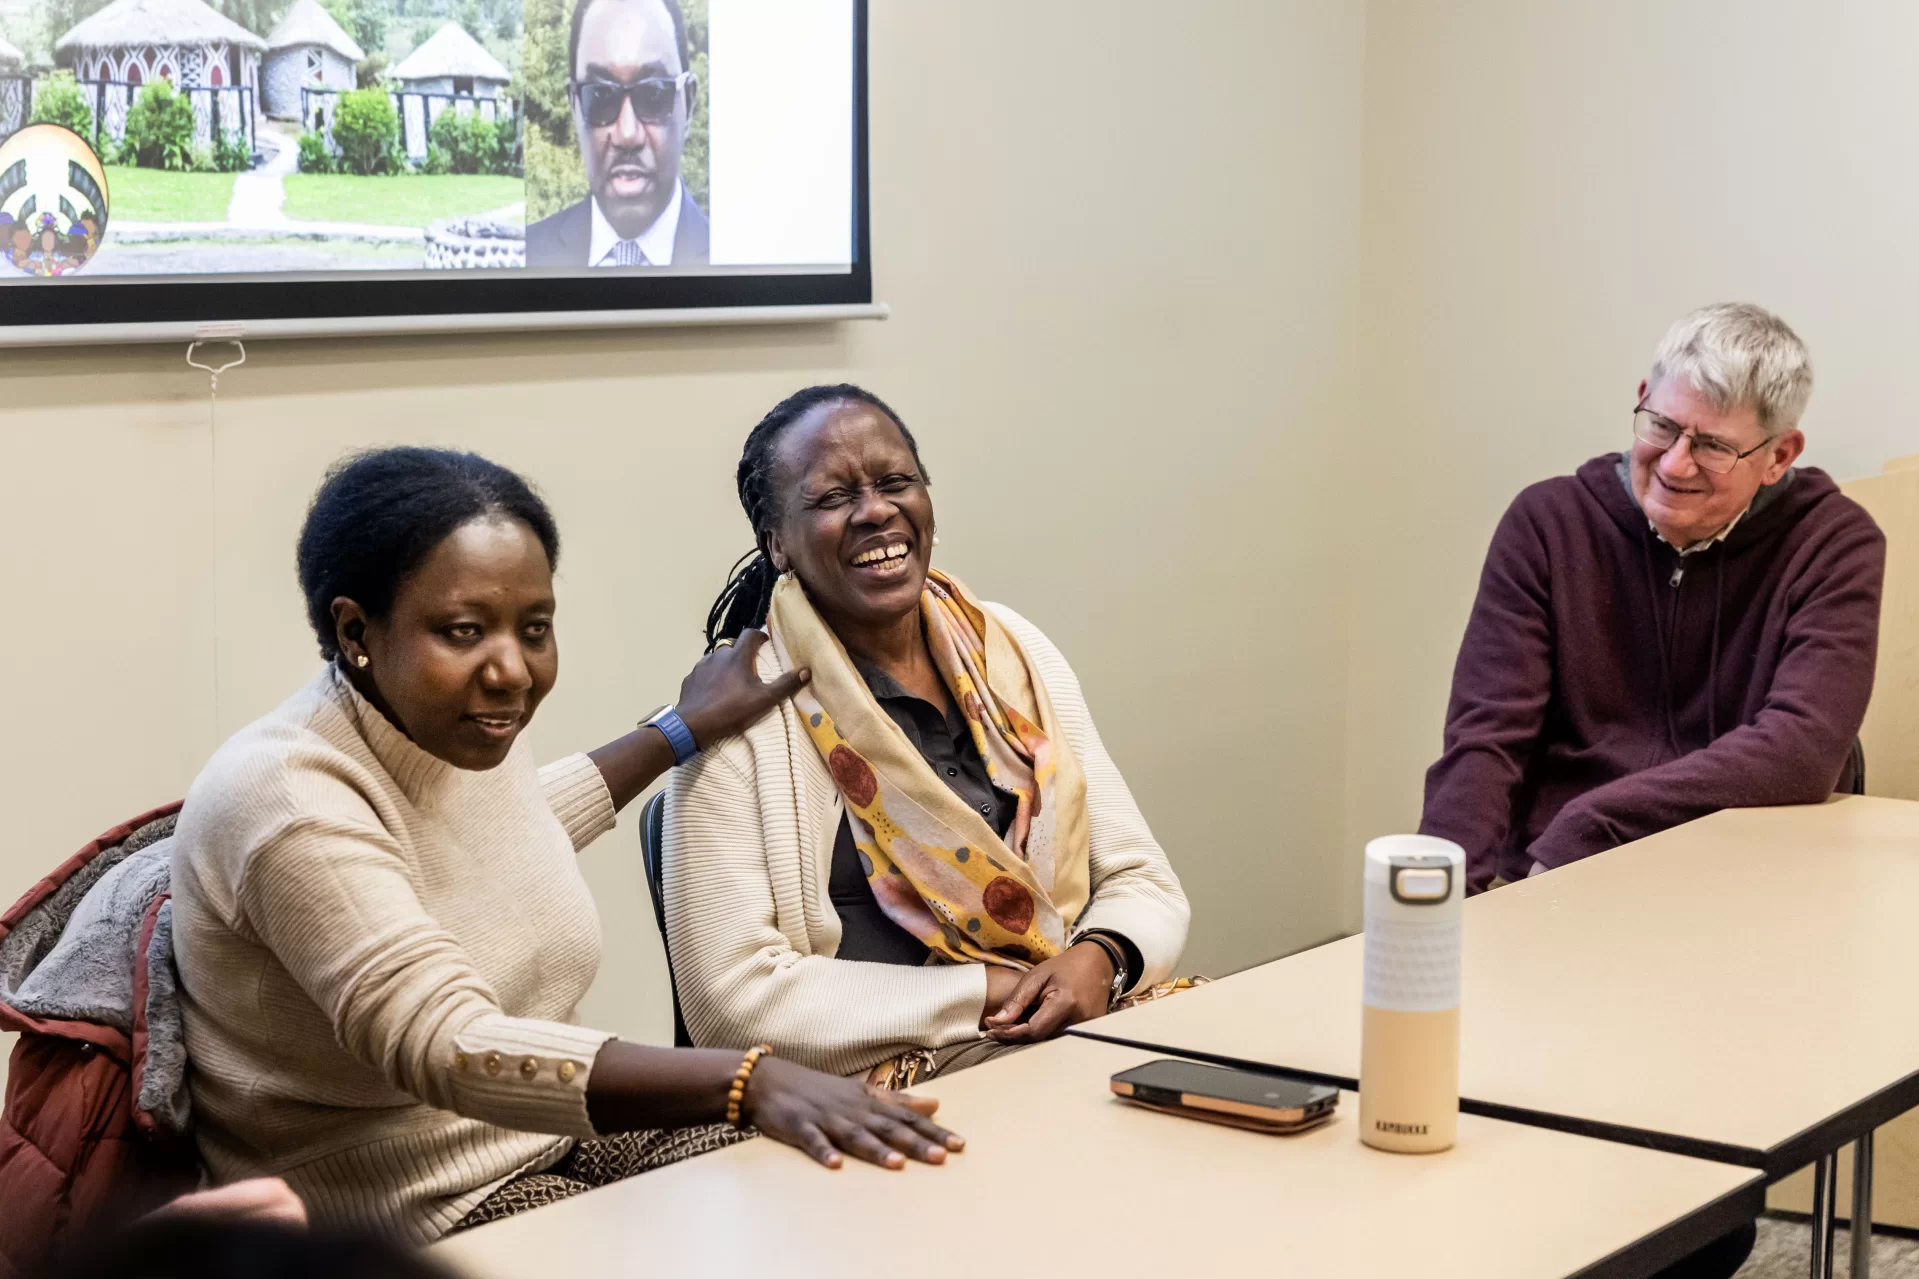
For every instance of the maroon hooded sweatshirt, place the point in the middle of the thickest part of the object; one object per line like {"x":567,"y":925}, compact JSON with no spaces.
{"x":1608,"y":688}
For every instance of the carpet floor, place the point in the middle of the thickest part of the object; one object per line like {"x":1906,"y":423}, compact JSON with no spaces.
{"x":1784,"y":1251}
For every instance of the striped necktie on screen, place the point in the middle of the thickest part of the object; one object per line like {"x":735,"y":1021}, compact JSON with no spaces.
{"x":627,"y":253}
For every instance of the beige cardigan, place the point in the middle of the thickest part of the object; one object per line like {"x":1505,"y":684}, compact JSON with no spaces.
{"x":380,"y":956}
{"x":749,"y":835}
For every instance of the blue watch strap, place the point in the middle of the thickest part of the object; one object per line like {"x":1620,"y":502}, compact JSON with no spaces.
{"x":678,"y":735}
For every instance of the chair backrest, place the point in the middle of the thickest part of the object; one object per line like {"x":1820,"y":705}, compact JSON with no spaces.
{"x":653,"y":860}
{"x":1891,"y":731}
{"x":652,"y":840}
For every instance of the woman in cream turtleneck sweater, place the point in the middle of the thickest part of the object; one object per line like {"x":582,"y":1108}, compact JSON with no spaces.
{"x":381,"y":932}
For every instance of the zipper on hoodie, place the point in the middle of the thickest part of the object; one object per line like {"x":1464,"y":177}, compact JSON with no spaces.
{"x":1675,"y":581}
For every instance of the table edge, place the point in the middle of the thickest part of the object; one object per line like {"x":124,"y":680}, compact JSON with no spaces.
{"x":1680,"y":1238}
{"x":1777,"y":1162}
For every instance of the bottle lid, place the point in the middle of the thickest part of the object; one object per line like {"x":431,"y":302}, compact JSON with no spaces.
{"x":1417,"y":867}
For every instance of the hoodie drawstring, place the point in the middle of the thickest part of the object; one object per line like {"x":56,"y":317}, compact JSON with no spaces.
{"x":1665,"y":640}
{"x":1665,"y":661}
{"x":1712,"y":659}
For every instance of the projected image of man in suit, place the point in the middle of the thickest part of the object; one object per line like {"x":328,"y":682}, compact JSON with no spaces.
{"x":632,"y":94}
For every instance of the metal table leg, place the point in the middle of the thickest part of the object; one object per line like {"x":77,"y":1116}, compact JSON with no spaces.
{"x":1862,"y":1207}
{"x":1825,"y":1189}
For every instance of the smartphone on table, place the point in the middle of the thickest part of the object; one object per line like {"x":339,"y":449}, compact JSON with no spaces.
{"x":1217,"y":1094}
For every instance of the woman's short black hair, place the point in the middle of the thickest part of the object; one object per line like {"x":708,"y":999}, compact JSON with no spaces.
{"x":749,"y":590}
{"x":379,"y":514}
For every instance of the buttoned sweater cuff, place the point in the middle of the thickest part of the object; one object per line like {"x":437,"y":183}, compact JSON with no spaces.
{"x":525,"y":1074}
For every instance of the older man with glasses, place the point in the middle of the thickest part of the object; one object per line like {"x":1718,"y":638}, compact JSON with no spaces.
{"x":1681,"y":628}
{"x":632,"y":91}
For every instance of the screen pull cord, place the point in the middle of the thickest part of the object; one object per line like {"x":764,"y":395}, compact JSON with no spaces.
{"x":213,"y":373}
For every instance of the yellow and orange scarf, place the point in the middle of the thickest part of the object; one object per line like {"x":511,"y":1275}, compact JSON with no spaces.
{"x":936,"y":867}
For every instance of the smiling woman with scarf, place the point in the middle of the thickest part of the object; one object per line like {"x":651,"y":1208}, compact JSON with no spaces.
{"x":382,"y":933}
{"x":927,"y":856}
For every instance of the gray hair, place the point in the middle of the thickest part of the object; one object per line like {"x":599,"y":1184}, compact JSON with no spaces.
{"x":1737,"y":354}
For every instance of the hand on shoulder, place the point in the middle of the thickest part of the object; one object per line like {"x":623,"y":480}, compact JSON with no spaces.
{"x":724,"y":695}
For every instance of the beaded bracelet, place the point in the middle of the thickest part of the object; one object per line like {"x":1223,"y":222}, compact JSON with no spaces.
{"x":737,"y":1093}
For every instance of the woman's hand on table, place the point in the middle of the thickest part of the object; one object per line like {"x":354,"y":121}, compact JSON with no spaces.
{"x":1047,"y":998}
{"x":724,"y":694}
{"x":824,"y":1115}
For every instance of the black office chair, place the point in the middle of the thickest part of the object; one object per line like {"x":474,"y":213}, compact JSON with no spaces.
{"x":652,"y":851}
{"x":1857,"y":763}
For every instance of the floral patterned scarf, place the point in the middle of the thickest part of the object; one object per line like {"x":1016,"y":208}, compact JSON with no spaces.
{"x":936,"y":867}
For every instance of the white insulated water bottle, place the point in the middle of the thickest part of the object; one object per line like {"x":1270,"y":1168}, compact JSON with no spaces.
{"x":1409,"y":1040}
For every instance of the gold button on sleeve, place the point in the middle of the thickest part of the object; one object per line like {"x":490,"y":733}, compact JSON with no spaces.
{"x":568,"y":1069}
{"x":459,"y":1061}
{"x":493,"y":1063}
{"x":530,"y":1068}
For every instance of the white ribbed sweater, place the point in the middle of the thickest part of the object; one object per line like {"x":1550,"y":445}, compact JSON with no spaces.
{"x":749,"y":835}
{"x":380,"y":956}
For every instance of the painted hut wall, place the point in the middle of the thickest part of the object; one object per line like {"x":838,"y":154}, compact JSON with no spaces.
{"x":188,"y":66}
{"x":287,"y":72}
{"x":444,"y":85}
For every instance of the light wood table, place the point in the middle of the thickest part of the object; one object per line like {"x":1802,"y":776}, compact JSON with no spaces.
{"x":1739,"y":988}
{"x":1891,"y":738}
{"x":1060,"y":1178}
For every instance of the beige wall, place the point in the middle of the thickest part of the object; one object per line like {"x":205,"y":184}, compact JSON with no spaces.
{"x":1122,"y":251}
{"x":1547,"y":187}
{"x":1175,"y":413}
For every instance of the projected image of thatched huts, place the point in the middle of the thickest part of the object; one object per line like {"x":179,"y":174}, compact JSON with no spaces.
{"x":307,"y":50}
{"x":450,"y":70}
{"x":11,"y":59}
{"x":134,"y":41}
{"x":209,"y":58}
{"x":452,"y":63}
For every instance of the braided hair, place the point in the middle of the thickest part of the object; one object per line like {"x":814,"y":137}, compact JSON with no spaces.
{"x":742,"y":605}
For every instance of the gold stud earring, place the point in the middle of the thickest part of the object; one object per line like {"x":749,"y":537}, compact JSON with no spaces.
{"x":361,"y":661}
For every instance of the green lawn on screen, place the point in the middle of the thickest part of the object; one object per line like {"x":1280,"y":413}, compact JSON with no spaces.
{"x":153,"y":195}
{"x":401,"y":200}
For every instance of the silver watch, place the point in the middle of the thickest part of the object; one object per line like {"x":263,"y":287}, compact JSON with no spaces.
{"x":1114,"y":953}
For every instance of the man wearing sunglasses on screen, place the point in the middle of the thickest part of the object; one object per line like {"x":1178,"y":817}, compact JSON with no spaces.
{"x":1688,"y":626}
{"x":632,"y":95}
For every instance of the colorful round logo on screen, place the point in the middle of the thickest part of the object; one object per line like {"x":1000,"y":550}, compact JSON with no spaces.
{"x":53,"y":202}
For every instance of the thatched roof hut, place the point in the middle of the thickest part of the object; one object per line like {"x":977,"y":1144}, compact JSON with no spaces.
{"x":453,"y":62}
{"x":10,"y":57}
{"x":307,"y":23}
{"x":143,"y":22}
{"x":307,"y":50}
{"x":185,"y":41}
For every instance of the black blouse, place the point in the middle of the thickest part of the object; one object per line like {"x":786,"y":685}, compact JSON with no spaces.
{"x":945,"y":741}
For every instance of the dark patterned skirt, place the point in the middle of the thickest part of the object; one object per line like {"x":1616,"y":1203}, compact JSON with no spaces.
{"x":601,"y":1162}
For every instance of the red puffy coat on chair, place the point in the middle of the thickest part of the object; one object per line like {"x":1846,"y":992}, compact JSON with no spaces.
{"x":86,"y":980}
